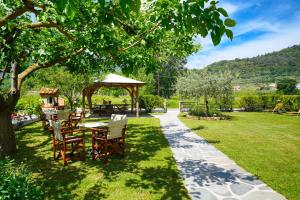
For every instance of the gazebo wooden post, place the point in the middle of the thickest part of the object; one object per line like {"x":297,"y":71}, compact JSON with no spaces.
{"x":132,"y":96}
{"x":83,"y":103}
{"x":137,"y":101}
{"x":89,"y":100}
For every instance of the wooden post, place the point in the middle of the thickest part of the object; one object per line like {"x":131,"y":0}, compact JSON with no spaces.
{"x":83,"y":104}
{"x":89,"y":100}
{"x":137,"y":102}
{"x":132,"y":96}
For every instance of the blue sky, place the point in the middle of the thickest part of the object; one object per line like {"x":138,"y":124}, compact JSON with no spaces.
{"x":263,"y":26}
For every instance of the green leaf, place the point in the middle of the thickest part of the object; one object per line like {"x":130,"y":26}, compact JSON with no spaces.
{"x":229,"y":34}
{"x":223,"y":12}
{"x":61,"y":4}
{"x":229,"y":22}
{"x":215,"y":38}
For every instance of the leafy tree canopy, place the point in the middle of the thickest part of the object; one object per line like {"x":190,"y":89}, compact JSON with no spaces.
{"x":287,"y":86}
{"x":38,"y":34}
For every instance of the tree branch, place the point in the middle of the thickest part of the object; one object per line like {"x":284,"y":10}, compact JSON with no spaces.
{"x":17,"y":12}
{"x":28,"y":6}
{"x":37,"y":66}
{"x":127,"y":28}
{"x":141,"y":37}
{"x":51,"y":24}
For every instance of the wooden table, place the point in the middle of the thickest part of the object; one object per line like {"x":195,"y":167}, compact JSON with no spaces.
{"x":108,"y":109}
{"x":90,"y":125}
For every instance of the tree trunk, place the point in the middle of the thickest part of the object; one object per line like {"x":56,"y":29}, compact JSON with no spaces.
{"x":206,"y":105}
{"x":89,"y":100}
{"x":158,"y":84}
{"x":7,"y":135}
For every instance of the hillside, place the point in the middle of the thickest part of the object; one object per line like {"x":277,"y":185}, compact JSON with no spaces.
{"x":264,"y":68}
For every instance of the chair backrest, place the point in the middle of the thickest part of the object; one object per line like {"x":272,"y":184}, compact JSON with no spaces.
{"x":116,"y":128}
{"x":115,"y":117}
{"x":57,"y":129}
{"x":63,"y":115}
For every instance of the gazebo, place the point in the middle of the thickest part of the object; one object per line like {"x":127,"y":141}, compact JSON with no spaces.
{"x":113,"y":80}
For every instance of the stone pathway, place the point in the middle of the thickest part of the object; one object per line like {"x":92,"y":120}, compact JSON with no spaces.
{"x":208,"y":173}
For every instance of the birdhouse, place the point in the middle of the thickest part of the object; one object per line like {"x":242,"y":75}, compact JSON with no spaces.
{"x":51,"y":99}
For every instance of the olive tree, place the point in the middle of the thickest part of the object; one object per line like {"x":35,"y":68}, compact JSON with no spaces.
{"x":199,"y":83}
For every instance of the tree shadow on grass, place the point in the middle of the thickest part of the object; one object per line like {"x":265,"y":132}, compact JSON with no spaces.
{"x":197,"y":128}
{"x":156,"y":174}
{"x":34,"y":149}
{"x":158,"y":179}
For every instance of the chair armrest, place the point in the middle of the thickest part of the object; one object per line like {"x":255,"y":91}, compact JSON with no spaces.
{"x":103,"y":129}
{"x":66,"y":132}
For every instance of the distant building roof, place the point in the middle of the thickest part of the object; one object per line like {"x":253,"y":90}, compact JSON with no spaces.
{"x":48,"y":91}
{"x":114,"y":78}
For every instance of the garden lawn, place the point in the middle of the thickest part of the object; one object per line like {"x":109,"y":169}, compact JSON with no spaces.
{"x":265,"y":144}
{"x":147,"y":172}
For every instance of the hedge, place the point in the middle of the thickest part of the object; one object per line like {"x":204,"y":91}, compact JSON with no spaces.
{"x":149,"y":102}
{"x":261,"y":102}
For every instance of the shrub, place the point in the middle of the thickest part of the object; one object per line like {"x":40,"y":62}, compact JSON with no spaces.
{"x":149,"y":102}
{"x":291,"y":102}
{"x":16,"y":182}
{"x":225,"y":102}
{"x":199,"y":110}
{"x":29,"y":104}
{"x":251,"y":103}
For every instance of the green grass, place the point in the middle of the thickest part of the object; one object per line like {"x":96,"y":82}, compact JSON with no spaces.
{"x":265,"y":144}
{"x":147,"y":172}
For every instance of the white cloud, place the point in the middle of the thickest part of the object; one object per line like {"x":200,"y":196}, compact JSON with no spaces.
{"x":281,"y":37}
{"x":257,"y":24}
{"x":229,"y":7}
{"x":232,"y":8}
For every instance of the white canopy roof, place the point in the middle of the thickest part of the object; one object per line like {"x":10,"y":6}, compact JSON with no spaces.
{"x":114,"y":78}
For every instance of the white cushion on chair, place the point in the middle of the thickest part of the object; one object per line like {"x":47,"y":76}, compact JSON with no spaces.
{"x":57,"y":130}
{"x":63,"y":115}
{"x":115,"y":117}
{"x":115,"y":128}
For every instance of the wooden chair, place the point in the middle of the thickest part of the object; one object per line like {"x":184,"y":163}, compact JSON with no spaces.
{"x":67,"y":142}
{"x":75,"y":119}
{"x":63,"y":117}
{"x":110,"y":140}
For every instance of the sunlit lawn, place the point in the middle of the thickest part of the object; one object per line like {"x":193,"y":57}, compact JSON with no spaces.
{"x":147,"y":172}
{"x":267,"y":145}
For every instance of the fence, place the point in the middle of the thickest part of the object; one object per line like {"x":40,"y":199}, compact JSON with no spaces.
{"x":185,"y":106}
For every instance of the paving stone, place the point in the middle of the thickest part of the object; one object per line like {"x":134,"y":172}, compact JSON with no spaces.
{"x":203,"y":194}
{"x":240,"y":188}
{"x":264,"y":188}
{"x":221,"y":190}
{"x":263,"y":195}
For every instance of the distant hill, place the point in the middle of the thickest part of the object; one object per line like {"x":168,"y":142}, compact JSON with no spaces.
{"x":264,"y":68}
